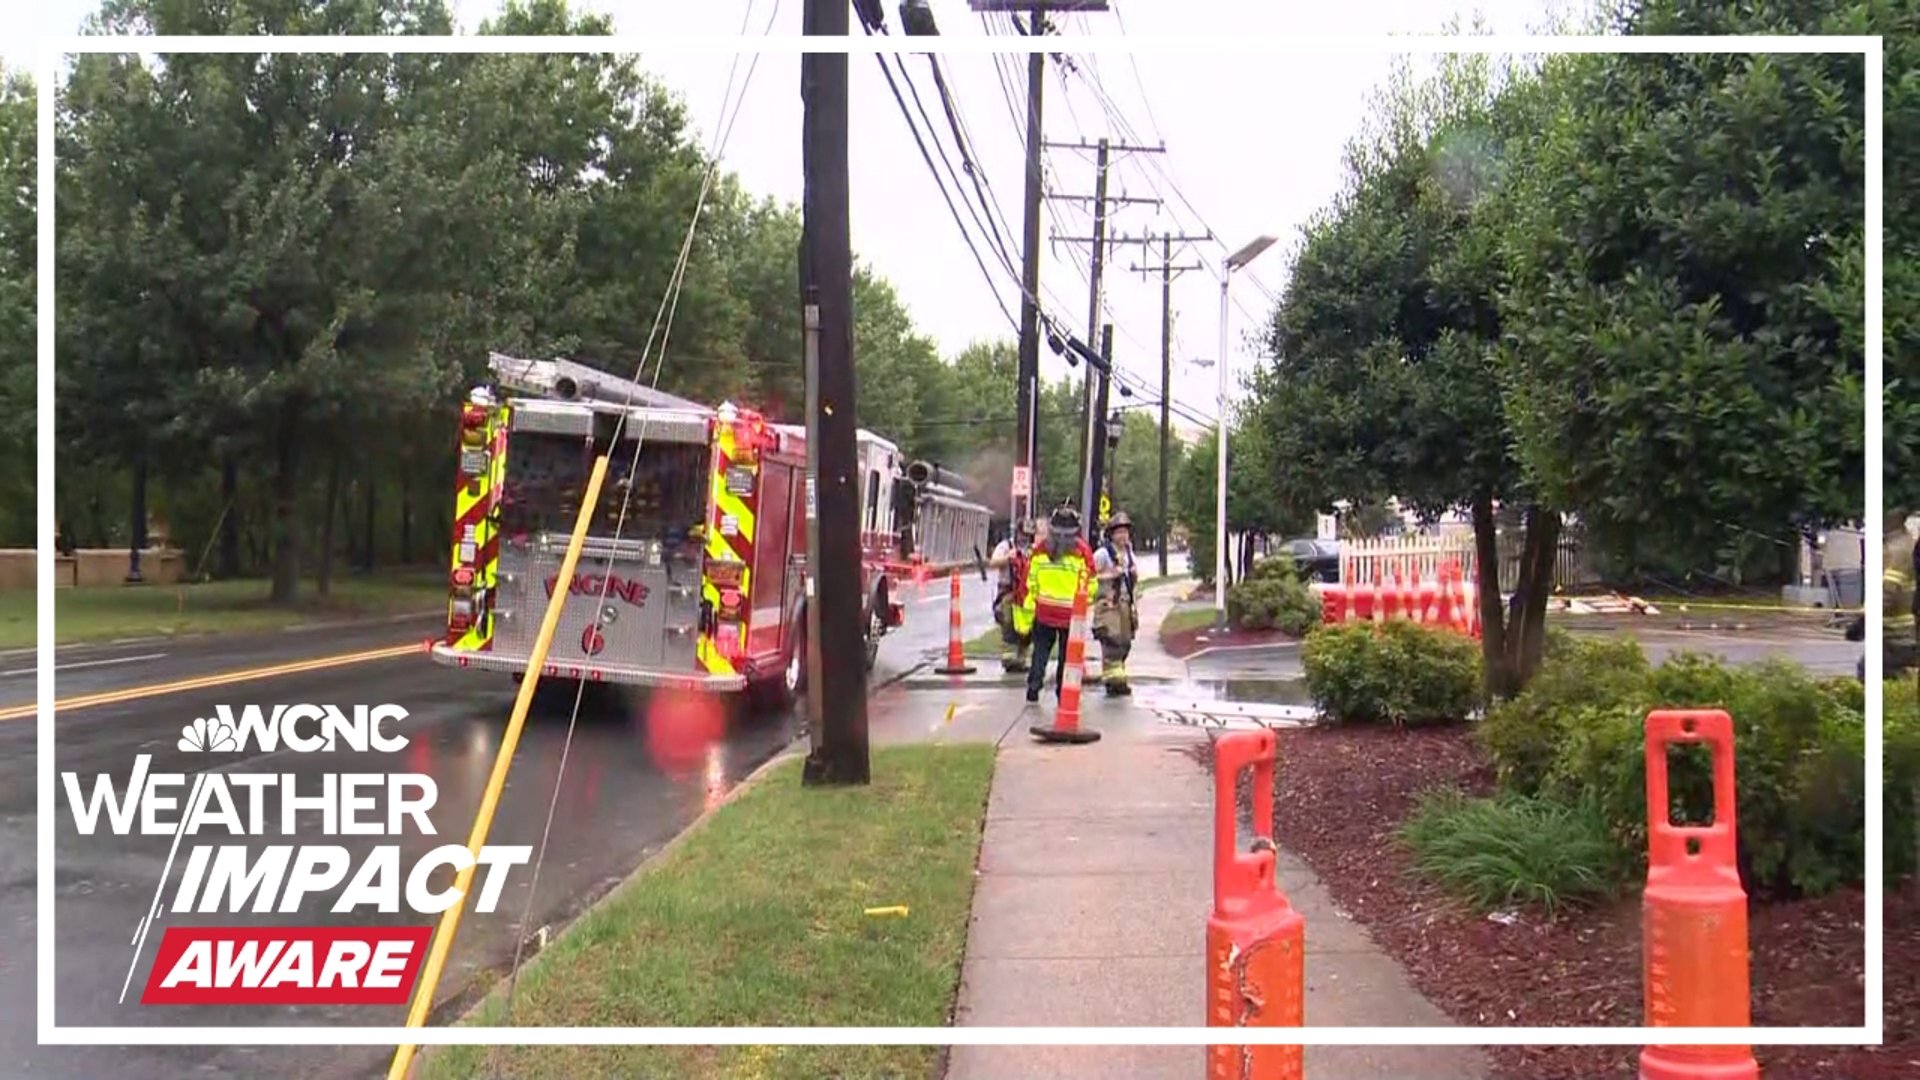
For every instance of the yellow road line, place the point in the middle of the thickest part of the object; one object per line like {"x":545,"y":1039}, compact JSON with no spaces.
{"x":224,"y":678}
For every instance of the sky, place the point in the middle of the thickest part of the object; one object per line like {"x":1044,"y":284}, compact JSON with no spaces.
{"x":1252,"y":148}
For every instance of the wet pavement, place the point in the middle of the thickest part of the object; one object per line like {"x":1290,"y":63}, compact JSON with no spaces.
{"x":639,"y":770}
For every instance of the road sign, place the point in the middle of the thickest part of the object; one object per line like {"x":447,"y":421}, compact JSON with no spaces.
{"x":1106,"y":507}
{"x":1022,"y":481}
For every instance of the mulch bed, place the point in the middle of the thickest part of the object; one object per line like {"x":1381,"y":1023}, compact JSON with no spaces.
{"x":1181,"y":644}
{"x":1340,"y":795}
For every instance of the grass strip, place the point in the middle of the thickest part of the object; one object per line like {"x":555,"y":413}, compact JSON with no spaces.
{"x":759,"y":919}
{"x":110,"y":612}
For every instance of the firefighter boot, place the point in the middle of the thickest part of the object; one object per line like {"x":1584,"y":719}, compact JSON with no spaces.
{"x":1114,"y":674}
{"x":1013,"y":659}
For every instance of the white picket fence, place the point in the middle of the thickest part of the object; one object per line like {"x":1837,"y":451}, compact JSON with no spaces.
{"x":1419,"y":557}
{"x":1411,"y":558}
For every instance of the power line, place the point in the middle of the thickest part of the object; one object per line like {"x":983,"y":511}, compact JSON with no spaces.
{"x":927,"y":156}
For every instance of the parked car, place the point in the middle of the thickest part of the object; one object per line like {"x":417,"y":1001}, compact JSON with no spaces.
{"x":1316,"y":560}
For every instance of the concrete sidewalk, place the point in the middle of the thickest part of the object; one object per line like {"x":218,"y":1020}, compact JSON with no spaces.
{"x":1093,"y":892}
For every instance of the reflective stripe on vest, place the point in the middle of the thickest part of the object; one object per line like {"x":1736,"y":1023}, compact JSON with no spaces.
{"x":1055,"y":582}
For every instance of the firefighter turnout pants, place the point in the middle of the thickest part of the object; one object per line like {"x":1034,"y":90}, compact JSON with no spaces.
{"x":1013,"y":643}
{"x":1114,"y":629}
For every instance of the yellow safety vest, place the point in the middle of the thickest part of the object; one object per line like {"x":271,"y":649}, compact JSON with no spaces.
{"x":1052,"y":583}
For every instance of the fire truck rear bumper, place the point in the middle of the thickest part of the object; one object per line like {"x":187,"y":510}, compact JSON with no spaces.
{"x":449,"y":656}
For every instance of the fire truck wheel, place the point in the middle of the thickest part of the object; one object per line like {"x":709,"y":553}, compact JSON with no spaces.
{"x":778,"y":693}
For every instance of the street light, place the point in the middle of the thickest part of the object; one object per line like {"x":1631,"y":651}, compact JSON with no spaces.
{"x":1234,"y":262}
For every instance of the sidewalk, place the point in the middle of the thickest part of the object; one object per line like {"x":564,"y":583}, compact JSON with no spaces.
{"x":1092,"y":897}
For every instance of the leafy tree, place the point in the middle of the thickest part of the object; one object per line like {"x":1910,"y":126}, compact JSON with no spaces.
{"x":1683,"y":289}
{"x":1619,"y":286}
{"x":19,"y":248}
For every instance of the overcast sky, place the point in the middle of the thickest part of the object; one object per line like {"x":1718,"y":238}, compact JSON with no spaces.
{"x":1252,"y":147}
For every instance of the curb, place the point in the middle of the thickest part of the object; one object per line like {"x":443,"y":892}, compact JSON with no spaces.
{"x":1198,"y":653}
{"x":195,"y":635}
{"x":339,"y":624}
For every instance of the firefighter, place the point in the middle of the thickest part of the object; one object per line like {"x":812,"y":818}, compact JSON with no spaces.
{"x":1115,"y":618}
{"x":1010,"y":559}
{"x":1058,"y":568}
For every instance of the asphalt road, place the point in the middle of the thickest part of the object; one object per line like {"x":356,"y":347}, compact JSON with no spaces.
{"x":636,"y":775}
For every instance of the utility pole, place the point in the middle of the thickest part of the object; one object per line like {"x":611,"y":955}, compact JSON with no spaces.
{"x":1026,"y":417}
{"x":837,"y":683}
{"x":1097,"y":430}
{"x":1096,"y":392}
{"x":1095,"y":386}
{"x":1167,"y":271}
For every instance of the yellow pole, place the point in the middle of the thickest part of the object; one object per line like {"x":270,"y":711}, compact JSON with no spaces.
{"x":490,"y":798}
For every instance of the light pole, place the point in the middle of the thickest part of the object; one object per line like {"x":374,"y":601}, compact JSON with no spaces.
{"x":1234,"y":262}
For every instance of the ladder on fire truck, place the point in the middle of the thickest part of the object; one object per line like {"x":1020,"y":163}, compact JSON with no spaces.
{"x":568,"y":380}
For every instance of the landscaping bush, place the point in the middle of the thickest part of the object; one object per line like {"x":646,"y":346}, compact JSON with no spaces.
{"x":1901,"y":775}
{"x":1274,"y":598}
{"x":1512,"y":851}
{"x":1577,"y":735}
{"x":1797,"y":758}
{"x":1399,"y":672}
{"x":1522,"y":735}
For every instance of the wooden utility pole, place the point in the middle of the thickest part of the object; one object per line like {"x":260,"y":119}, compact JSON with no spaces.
{"x":837,"y":683}
{"x":1167,"y":272}
{"x":1026,"y":416}
{"x":1093,"y":416}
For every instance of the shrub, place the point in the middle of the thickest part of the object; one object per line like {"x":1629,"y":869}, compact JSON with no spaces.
{"x":1274,"y":597}
{"x":1512,"y":850}
{"x":1400,"y":673}
{"x":1522,"y":735}
{"x":1900,"y":770}
{"x":1797,"y":755}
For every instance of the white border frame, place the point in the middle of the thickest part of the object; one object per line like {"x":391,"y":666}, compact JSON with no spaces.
{"x":1871,"y":1033}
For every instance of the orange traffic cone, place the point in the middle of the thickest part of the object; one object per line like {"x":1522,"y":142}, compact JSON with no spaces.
{"x":1694,"y":911}
{"x":1066,"y":717}
{"x":956,"y":651}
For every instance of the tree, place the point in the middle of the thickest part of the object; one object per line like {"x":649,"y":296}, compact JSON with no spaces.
{"x":19,"y":253}
{"x":1695,"y":223}
{"x":1617,"y":286}
{"x":1383,"y":380}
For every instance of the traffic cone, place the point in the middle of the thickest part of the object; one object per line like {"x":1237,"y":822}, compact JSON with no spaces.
{"x":1443,"y":599}
{"x":1379,"y":610}
{"x":1694,"y":911}
{"x":1066,"y":717}
{"x":1352,"y":586}
{"x":956,"y":650}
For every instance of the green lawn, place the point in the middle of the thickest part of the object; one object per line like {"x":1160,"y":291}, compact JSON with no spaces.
{"x":759,"y":918}
{"x":109,"y":612}
{"x":1186,"y":618}
{"x":986,"y":643}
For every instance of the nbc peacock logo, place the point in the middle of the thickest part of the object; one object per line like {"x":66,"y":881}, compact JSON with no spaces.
{"x":204,"y":735}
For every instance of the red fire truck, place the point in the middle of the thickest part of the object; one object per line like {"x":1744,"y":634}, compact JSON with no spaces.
{"x":706,"y":582}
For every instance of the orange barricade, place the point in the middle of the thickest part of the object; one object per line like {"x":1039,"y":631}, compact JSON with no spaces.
{"x":956,"y":650}
{"x":1694,"y":911}
{"x":1256,"y":941}
{"x":1066,"y":718}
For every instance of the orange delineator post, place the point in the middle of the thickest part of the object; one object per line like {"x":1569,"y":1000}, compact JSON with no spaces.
{"x":1694,"y":911}
{"x":1256,"y":941}
{"x":1443,"y":598}
{"x":1066,"y":718}
{"x":956,"y":650}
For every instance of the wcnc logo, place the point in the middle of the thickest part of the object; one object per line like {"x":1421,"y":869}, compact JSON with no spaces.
{"x":228,"y":733}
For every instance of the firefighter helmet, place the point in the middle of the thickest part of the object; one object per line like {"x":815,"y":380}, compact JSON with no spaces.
{"x":1064,"y":519}
{"x":1119,"y":520}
